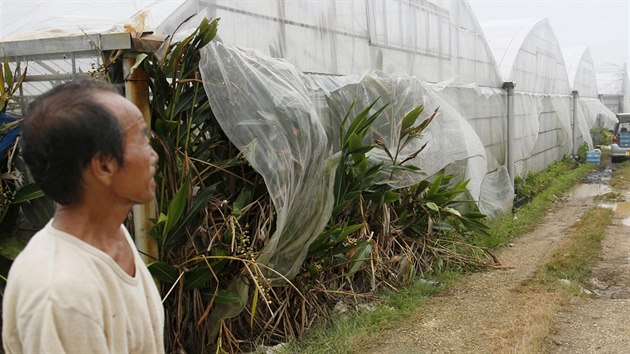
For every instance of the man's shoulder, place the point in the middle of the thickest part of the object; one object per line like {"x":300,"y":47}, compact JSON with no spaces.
{"x":49,"y":265}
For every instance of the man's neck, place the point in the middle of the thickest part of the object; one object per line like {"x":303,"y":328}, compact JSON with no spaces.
{"x":99,"y":227}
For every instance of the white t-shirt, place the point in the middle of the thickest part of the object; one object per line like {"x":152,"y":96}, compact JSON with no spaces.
{"x":66,"y":296}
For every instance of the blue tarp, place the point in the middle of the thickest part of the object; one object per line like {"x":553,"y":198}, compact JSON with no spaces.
{"x":7,"y":138}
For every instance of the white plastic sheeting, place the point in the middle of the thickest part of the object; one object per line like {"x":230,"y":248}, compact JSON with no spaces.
{"x":264,"y":108}
{"x":596,"y":114}
{"x":583,"y":79}
{"x":614,"y":85}
{"x":581,"y":71}
{"x":264,"y":105}
{"x":45,"y":18}
{"x":528,"y":54}
{"x":434,"y":40}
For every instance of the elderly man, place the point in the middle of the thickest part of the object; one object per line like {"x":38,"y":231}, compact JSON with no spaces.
{"x":80,"y":286}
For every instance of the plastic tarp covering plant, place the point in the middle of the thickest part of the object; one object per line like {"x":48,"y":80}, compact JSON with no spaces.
{"x":264,"y":106}
{"x":448,"y":138}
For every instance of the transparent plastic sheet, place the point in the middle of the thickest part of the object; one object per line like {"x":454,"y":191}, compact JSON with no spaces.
{"x":610,"y":79}
{"x":497,"y":192}
{"x":527,"y":108}
{"x":563,"y":106}
{"x":263,"y":107}
{"x":597,"y":114}
{"x":450,"y":139}
{"x":485,"y":110}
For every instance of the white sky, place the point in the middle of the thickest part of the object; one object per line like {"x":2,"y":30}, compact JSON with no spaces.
{"x":602,"y":25}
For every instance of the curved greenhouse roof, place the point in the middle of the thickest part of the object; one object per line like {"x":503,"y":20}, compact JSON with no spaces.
{"x":581,"y":71}
{"x":528,"y":54}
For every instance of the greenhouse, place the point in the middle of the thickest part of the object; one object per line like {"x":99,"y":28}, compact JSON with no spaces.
{"x":281,"y":79}
{"x":614,"y":87}
{"x":583,"y":79}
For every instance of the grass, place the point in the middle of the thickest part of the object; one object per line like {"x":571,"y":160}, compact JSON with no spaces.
{"x":574,"y":259}
{"x":621,"y":178}
{"x":341,"y":335}
{"x":508,"y":226}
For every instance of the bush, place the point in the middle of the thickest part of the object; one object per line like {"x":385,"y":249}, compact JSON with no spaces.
{"x":601,"y":136}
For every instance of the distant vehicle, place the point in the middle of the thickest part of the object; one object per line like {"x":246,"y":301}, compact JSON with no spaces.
{"x":620,"y":146}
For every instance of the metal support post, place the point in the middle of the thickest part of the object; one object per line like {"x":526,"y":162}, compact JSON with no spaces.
{"x":574,"y":103}
{"x":509,"y":88}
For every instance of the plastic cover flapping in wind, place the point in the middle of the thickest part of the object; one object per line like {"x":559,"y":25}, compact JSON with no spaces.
{"x":266,"y":110}
{"x":263,"y":107}
{"x":449,"y":139}
{"x":596,"y":114}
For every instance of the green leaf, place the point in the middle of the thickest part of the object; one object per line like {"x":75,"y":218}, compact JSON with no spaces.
{"x":433,"y":206}
{"x":27,"y":193}
{"x":452,"y":211}
{"x":8,"y":74}
{"x":254,"y":305}
{"x":176,"y":206}
{"x":139,"y":59}
{"x":200,"y":201}
{"x":345,"y":232}
{"x":197,"y":278}
{"x":390,"y":197}
{"x":362,"y":253}
{"x":411,"y":117}
{"x":225,"y":297}
{"x":10,"y":247}
{"x":164,"y":272}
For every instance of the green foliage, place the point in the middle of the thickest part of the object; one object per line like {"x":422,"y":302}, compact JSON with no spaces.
{"x":574,"y":259}
{"x":536,"y":182}
{"x":506,"y":227}
{"x":601,"y":136}
{"x":581,"y":152}
{"x":412,"y":230}
{"x":10,"y":82}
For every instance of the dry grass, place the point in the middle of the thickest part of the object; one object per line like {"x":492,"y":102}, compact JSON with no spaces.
{"x":538,"y":299}
{"x":532,"y":321}
{"x":621,"y":178}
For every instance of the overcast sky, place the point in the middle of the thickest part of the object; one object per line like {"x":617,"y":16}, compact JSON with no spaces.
{"x":602,"y":25}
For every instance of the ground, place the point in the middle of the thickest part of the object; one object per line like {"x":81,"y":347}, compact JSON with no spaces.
{"x":489,"y":312}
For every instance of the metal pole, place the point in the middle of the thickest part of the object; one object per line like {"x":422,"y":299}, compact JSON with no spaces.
{"x":509,"y":88}
{"x":574,"y":95}
{"x":137,"y":91}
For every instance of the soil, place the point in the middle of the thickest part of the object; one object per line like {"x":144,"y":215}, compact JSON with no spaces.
{"x":485,"y":312}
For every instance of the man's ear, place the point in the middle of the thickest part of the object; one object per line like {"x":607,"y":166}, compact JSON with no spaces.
{"x":103,"y":168}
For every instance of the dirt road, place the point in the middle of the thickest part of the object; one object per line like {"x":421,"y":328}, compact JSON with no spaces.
{"x":485,"y":312}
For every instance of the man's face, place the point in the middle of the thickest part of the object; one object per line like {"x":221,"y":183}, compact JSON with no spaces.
{"x":134,"y":180}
